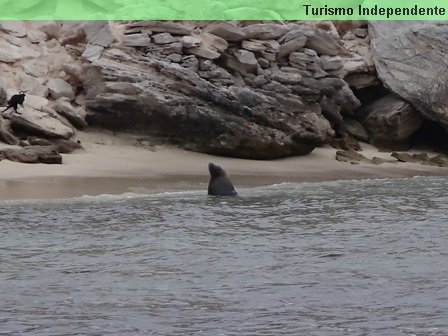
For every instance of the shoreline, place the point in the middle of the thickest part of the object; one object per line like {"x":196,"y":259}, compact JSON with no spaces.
{"x":112,"y":164}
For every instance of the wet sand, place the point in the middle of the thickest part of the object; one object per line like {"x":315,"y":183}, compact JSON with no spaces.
{"x":112,"y":164}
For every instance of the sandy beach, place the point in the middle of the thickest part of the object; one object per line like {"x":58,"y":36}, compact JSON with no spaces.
{"x":113,"y":164}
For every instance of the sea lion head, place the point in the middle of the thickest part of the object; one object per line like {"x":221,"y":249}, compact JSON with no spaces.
{"x":215,"y":170}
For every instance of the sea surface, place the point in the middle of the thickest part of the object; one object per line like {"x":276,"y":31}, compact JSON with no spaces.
{"x":339,"y":258}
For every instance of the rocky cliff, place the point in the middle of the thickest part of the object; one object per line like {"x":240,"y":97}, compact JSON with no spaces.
{"x":246,"y":89}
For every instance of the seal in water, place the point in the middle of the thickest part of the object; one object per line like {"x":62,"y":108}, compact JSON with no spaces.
{"x":220,"y":184}
{"x":15,"y":101}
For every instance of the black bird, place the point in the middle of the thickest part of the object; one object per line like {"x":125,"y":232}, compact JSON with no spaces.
{"x":16,"y":100}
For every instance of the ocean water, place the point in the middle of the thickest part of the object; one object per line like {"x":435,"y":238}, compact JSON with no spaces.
{"x":336,"y":258}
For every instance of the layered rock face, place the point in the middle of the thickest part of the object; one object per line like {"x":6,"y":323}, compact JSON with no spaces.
{"x":254,"y":90}
{"x":412,"y":61}
{"x":248,"y":89}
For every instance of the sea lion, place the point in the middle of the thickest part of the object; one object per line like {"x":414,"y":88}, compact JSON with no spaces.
{"x":220,"y":184}
{"x":15,"y":101}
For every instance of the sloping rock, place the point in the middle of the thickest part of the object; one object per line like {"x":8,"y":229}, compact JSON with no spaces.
{"x":345,"y":142}
{"x":291,"y":45}
{"x":265,"y":31}
{"x":412,"y":158}
{"x":390,"y":122}
{"x":62,"y":146}
{"x":3,"y":92}
{"x":438,"y":161}
{"x":40,"y":123}
{"x":60,"y":88}
{"x":32,"y":86}
{"x":322,"y":42}
{"x":50,"y":28}
{"x":163,"y":38}
{"x":9,"y":53}
{"x":136,"y":40}
{"x":5,"y":135}
{"x":355,"y":129}
{"x":210,"y":47}
{"x":98,"y":33}
{"x":36,"y":67}
{"x":163,"y":26}
{"x":246,"y":58}
{"x":350,"y":156}
{"x":177,"y":104}
{"x":32,"y":154}
{"x":67,"y":110}
{"x":410,"y":58}
{"x":17,"y":28}
{"x":226,"y":31}
{"x":36,"y":36}
{"x":261,"y":45}
{"x":191,"y":41}
{"x":92,"y":52}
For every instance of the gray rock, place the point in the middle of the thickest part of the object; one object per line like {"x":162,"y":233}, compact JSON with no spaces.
{"x":9,"y":53}
{"x":211,"y":46}
{"x":350,"y":156}
{"x":190,"y":62}
{"x":33,"y":101}
{"x":17,"y":28}
{"x":291,"y":34}
{"x":32,"y":154}
{"x":201,"y":116}
{"x":58,"y":88}
{"x":356,"y":129}
{"x":391,"y":121}
{"x":286,"y":77}
{"x":163,"y":26}
{"x":264,"y":31}
{"x":92,"y":52}
{"x":206,"y":65}
{"x":32,"y":86}
{"x":68,"y":111}
{"x":176,"y":58}
{"x":410,"y":58}
{"x":50,"y":28}
{"x":292,"y":45}
{"x":261,"y":45}
{"x":36,"y":36}
{"x":191,"y":41}
{"x":40,"y":123}
{"x":163,"y":38}
{"x":98,"y":33}
{"x":412,"y":158}
{"x":3,"y":92}
{"x":361,"y":32}
{"x":246,"y":58}
{"x":264,"y":63}
{"x":345,"y":142}
{"x":36,"y":67}
{"x":322,"y":42}
{"x":361,"y":80}
{"x":226,"y":30}
{"x":5,"y":135}
{"x":331,"y":62}
{"x":136,"y":40}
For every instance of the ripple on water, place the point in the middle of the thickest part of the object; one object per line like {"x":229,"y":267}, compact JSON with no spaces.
{"x":335,"y":258}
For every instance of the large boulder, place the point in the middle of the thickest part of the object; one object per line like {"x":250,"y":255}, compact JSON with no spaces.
{"x":67,"y":110}
{"x":411,"y":60}
{"x":177,"y":104}
{"x":58,"y":88}
{"x":391,"y":121}
{"x":41,"y":123}
{"x":32,"y":154}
